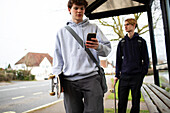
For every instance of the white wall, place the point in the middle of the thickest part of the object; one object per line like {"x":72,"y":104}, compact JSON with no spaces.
{"x":20,"y":66}
{"x":44,"y":69}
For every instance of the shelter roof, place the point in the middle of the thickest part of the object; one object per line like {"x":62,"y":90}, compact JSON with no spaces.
{"x":106,"y":8}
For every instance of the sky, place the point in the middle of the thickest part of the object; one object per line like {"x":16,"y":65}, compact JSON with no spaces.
{"x":31,"y":26}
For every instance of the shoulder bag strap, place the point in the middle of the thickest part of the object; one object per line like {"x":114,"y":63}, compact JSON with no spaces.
{"x":80,"y":41}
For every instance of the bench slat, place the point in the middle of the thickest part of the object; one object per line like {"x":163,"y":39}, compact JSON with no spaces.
{"x":151,"y":107}
{"x":162,"y":107}
{"x":162,"y":90}
{"x":165,"y":99}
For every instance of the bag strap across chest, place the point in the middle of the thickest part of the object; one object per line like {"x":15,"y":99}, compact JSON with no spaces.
{"x":80,"y":41}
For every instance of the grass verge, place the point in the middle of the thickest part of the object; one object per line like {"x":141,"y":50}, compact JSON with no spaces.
{"x":128,"y":111}
{"x":111,"y":96}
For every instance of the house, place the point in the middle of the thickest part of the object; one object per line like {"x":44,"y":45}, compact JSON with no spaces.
{"x":108,"y":67}
{"x":40,"y":64}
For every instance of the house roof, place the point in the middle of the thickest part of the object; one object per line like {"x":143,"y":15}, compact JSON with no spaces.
{"x":106,"y":8}
{"x":34,"y":59}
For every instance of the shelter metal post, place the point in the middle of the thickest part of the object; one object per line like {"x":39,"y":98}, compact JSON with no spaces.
{"x":165,"y":6}
{"x":154,"y":56}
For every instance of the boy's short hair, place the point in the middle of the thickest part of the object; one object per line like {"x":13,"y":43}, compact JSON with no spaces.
{"x":132,"y":21}
{"x":77,"y":2}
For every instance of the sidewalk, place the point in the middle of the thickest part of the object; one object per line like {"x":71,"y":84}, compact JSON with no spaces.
{"x":109,"y":103}
{"x":58,"y":106}
{"x":4,"y":83}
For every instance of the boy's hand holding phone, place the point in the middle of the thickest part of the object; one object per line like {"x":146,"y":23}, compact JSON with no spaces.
{"x":92,"y":41}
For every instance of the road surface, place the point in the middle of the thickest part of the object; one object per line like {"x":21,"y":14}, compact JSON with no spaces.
{"x":23,"y":96}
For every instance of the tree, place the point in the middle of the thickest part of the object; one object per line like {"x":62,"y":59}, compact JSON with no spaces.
{"x":118,"y":21}
{"x":9,"y":66}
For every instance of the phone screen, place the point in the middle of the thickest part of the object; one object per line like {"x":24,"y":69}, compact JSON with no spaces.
{"x":91,"y":35}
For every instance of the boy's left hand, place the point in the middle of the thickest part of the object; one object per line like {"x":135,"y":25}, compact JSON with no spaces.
{"x":92,"y":44}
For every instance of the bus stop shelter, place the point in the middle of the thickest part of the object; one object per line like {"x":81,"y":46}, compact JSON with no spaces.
{"x":108,"y":8}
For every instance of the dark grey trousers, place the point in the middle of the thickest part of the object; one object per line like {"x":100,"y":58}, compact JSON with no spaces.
{"x":83,"y":96}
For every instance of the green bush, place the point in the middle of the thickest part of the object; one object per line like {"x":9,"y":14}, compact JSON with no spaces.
{"x":6,"y":76}
{"x":9,"y":76}
{"x":32,"y":77}
{"x":20,"y":75}
{"x":167,"y":89}
{"x":2,"y":77}
{"x":25,"y":75}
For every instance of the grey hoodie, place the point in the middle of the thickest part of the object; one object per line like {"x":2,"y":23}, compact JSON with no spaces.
{"x":71,"y":58}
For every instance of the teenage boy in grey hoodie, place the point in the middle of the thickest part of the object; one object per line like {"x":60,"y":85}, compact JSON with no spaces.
{"x":82,"y":89}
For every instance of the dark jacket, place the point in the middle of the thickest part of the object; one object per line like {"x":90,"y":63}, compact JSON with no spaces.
{"x":135,"y":59}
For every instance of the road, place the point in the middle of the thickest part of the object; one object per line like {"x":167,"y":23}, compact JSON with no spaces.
{"x":23,"y":96}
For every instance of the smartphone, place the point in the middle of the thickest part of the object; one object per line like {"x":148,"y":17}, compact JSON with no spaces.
{"x":91,"y":35}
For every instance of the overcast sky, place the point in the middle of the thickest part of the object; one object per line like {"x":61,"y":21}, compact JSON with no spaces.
{"x":31,"y":26}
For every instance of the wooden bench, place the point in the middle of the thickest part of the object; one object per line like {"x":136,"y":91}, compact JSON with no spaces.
{"x":156,"y":98}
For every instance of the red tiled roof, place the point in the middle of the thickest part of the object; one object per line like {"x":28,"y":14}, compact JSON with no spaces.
{"x":34,"y":59}
{"x":104,"y":63}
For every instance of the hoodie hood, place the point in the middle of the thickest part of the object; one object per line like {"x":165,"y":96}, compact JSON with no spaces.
{"x":134,"y":36}
{"x":83,"y":23}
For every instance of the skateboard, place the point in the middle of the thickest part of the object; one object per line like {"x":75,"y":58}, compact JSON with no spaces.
{"x":114,"y":91}
{"x":52,"y":93}
{"x":58,"y":85}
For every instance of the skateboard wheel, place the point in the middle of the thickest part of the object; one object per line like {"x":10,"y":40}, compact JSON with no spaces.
{"x":51,"y":76}
{"x":52,"y":93}
{"x":111,"y":91}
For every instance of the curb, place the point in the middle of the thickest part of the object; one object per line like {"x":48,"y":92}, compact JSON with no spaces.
{"x":43,"y":106}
